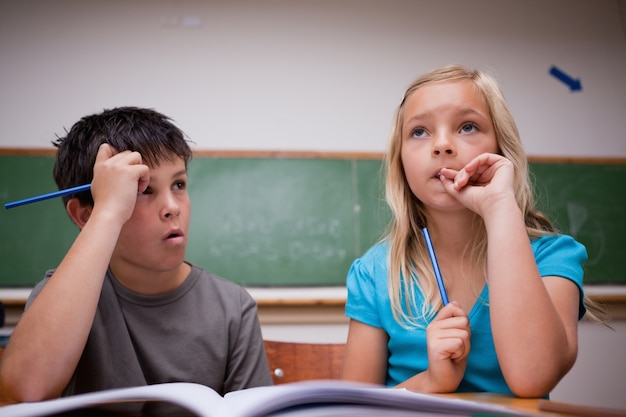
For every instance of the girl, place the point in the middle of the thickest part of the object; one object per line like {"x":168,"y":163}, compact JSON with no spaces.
{"x":455,"y":164}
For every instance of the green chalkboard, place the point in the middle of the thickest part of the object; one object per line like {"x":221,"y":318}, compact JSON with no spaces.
{"x":255,"y":221}
{"x":588,"y":201}
{"x":284,"y":222}
{"x":298,"y":221}
{"x":35,"y":236}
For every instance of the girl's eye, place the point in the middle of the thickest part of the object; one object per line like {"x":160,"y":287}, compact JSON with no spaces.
{"x":148,"y":190}
{"x":468,"y":128}
{"x":418,"y":132}
{"x":180,"y":185}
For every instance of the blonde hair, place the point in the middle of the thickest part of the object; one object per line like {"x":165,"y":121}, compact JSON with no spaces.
{"x":408,"y":257}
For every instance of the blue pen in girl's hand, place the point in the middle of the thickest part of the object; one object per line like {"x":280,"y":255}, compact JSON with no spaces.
{"x":433,"y":259}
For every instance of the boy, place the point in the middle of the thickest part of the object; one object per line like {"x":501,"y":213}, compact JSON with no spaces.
{"x":124,"y":308}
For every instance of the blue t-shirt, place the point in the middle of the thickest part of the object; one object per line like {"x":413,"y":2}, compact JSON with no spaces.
{"x":368,"y":302}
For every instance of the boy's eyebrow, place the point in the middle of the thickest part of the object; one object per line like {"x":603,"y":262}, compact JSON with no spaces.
{"x":182,"y":172}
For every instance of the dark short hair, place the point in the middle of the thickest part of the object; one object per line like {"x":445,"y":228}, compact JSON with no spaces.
{"x":146,"y":131}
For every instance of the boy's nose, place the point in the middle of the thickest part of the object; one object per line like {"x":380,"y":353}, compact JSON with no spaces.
{"x":171,"y":207}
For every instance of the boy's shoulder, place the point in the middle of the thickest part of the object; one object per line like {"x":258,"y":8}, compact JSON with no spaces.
{"x":217,"y":284}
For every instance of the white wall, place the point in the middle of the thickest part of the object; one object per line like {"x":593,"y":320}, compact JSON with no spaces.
{"x":322,"y":75}
{"x":599,"y":375}
{"x":308,"y":75}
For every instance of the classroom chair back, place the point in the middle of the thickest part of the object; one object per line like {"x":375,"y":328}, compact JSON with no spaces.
{"x":292,"y":362}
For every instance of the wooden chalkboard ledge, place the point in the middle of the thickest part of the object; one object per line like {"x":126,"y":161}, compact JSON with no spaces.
{"x":299,"y":296}
{"x":609,"y":294}
{"x":611,"y":297}
{"x":263,"y":295}
{"x":310,"y":305}
{"x":301,"y":305}
{"x":14,"y":296}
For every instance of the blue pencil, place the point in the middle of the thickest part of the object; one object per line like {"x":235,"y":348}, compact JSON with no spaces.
{"x":59,"y":193}
{"x":433,"y":259}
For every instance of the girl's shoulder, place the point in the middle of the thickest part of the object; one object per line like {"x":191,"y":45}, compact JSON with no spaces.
{"x":556,"y":243}
{"x":376,"y":253}
{"x":373,"y":261}
{"x":560,"y":255}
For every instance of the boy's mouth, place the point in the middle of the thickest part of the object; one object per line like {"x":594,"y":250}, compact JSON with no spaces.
{"x":174,"y":234}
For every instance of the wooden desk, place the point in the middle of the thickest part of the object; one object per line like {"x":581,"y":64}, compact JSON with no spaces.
{"x":526,"y":405}
{"x":540,"y":406}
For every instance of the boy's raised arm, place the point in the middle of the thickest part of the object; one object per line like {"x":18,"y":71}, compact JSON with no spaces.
{"x":48,"y":341}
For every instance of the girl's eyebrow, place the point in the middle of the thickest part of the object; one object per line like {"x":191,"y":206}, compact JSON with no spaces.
{"x":468,"y":111}
{"x":464,"y":111}
{"x":418,"y":117}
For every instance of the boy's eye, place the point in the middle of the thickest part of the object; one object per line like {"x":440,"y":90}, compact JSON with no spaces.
{"x":148,"y":190}
{"x":181,"y":185}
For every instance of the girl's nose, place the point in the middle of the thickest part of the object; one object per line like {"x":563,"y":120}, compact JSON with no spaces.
{"x":442,"y":145}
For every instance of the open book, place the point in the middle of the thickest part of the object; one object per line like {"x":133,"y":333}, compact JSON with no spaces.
{"x":309,"y":399}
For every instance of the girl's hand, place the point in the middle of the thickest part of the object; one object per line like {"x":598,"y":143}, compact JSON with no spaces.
{"x":484,"y":181}
{"x":118,"y":177}
{"x":448,"y":342}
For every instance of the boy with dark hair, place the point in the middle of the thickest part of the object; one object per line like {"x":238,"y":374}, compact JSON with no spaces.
{"x":123,"y":308}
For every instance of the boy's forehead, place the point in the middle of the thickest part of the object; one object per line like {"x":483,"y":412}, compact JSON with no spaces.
{"x":168,"y":167}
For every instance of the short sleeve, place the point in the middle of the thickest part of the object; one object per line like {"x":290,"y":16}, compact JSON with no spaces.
{"x":37,"y":289}
{"x":364,"y":284}
{"x":562,"y":256}
{"x":247,"y":362}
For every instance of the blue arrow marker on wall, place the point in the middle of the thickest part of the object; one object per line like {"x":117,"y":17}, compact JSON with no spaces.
{"x":574,"y":84}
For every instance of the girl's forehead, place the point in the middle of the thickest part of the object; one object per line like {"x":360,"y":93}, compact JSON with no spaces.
{"x":442,"y":94}
{"x":446,"y":89}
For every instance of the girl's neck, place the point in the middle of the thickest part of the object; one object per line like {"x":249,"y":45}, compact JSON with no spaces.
{"x":451,"y":231}
{"x":451,"y":235}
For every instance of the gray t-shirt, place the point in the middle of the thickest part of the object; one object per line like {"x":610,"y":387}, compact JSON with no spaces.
{"x":205,"y":331}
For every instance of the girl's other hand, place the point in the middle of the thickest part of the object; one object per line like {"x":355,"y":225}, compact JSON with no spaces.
{"x":448,"y":342}
{"x":481,"y":183}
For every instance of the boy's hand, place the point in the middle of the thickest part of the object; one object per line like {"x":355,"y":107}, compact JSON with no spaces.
{"x":484,"y":181}
{"x":448,"y":342}
{"x":118,"y":177}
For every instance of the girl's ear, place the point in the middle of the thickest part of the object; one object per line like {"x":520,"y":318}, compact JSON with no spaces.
{"x":78,"y":212}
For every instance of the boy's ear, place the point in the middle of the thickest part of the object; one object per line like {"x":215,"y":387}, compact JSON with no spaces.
{"x":78,"y":212}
